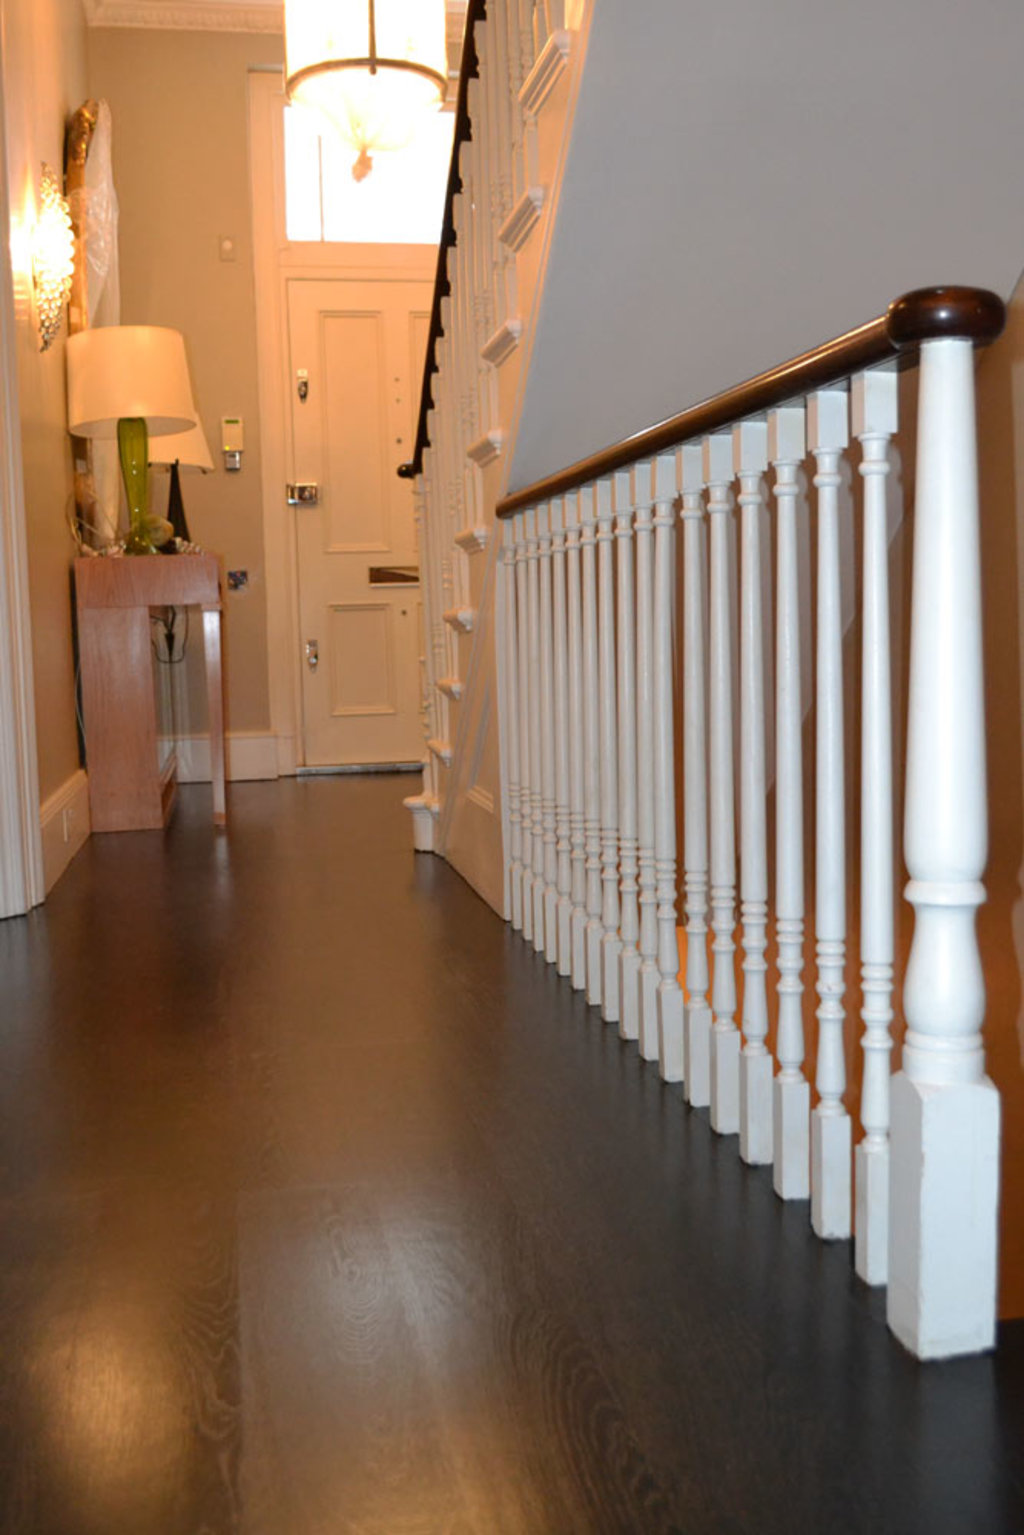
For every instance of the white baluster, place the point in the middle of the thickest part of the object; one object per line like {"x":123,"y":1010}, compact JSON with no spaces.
{"x":791,"y":1171}
{"x":695,"y":784}
{"x":611,"y":943}
{"x":725,"y":1039}
{"x":515,"y":840}
{"x":522,"y":521}
{"x":563,"y":915}
{"x":874,"y":407}
{"x":945,"y":1111}
{"x":670,"y":993}
{"x":591,"y":745}
{"x":577,"y":845}
{"x":629,"y":959}
{"x":547,"y":739}
{"x":750,"y":460}
{"x":643,"y":496}
{"x":827,"y":436}
{"x":536,"y":725}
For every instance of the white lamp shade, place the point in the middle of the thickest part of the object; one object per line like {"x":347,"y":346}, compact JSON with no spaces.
{"x":372,"y":69}
{"x":119,"y":371}
{"x":189,"y":449}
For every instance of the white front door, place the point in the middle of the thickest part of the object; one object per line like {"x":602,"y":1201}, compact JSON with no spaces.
{"x":356,"y":355}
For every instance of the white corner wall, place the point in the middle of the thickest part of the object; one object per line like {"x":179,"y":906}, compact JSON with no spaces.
{"x":746,"y":181}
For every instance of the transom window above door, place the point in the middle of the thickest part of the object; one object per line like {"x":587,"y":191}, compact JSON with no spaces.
{"x":401,"y":201}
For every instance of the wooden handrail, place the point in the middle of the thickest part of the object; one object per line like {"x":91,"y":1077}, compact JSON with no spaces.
{"x":468,"y":70}
{"x":927,"y":314}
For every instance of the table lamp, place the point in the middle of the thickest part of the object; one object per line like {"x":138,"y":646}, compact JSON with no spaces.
{"x":182,"y":450}
{"x":130,"y":382}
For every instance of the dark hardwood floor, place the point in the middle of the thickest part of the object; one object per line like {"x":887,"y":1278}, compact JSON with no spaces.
{"x":327,"y":1209}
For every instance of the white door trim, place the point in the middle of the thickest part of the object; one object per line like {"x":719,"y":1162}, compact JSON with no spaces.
{"x":275,"y":260}
{"x":21,"y":857}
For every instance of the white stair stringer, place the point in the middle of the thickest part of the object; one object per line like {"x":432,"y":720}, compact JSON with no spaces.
{"x":470,"y":814}
{"x":470,"y":829}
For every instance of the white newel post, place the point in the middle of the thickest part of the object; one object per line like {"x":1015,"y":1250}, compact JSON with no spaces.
{"x":577,"y":845}
{"x":643,"y":495}
{"x":547,"y":725}
{"x":791,"y":1167}
{"x":827,"y":436}
{"x":611,"y":943}
{"x":536,"y":746}
{"x":750,"y":461}
{"x":671,"y":1055}
{"x":515,"y":842}
{"x":563,"y":915}
{"x":523,"y":670}
{"x":697,"y":1037}
{"x":945,"y":1111}
{"x":874,"y":404}
{"x":591,"y":745}
{"x":725,"y":1038}
{"x":629,"y":959}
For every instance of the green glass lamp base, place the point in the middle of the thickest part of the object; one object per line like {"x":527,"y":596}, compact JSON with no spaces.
{"x":133,"y":447}
{"x":146,"y":532}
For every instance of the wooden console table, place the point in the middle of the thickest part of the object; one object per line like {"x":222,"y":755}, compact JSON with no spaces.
{"x":128,"y":791}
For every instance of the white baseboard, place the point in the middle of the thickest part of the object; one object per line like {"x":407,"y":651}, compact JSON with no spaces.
{"x":65,"y":825}
{"x":287,"y":756}
{"x":249,"y":756}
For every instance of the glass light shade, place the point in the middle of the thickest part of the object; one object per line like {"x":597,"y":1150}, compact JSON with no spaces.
{"x":373,"y":67}
{"x":53,"y":257}
{"x":119,"y":372}
{"x":189,"y":449}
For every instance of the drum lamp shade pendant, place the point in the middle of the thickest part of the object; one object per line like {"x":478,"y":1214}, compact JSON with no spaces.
{"x":375,"y":68}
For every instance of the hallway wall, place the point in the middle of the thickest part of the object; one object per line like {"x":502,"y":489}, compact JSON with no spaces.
{"x":44,"y":51}
{"x":181,"y":167}
{"x":785,"y":177}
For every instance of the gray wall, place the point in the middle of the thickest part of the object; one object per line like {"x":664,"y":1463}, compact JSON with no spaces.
{"x":747,"y":180}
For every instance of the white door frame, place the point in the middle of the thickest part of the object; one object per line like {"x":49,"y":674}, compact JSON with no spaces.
{"x":275,"y":260}
{"x":21,"y":857}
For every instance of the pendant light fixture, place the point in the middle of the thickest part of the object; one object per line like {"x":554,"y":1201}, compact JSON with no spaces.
{"x":375,"y":68}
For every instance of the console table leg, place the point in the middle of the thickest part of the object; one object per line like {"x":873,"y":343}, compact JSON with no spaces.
{"x":215,"y":698}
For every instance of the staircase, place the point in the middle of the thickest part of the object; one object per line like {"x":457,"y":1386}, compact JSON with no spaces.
{"x":586,"y":680}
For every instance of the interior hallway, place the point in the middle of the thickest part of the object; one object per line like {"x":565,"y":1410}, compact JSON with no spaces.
{"x":328,"y":1208}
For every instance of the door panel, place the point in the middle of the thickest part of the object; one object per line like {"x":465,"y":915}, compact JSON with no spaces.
{"x":360,"y":346}
{"x":354,"y":425}
{"x":369,"y":633}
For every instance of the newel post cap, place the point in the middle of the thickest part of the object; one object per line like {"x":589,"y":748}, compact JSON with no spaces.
{"x":929,"y":314}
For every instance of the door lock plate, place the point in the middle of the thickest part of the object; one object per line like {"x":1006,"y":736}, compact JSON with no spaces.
{"x":304,"y":495}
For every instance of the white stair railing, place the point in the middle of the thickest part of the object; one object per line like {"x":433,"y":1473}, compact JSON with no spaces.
{"x":599,"y":724}
{"x":602,"y":698}
{"x":513,"y":54}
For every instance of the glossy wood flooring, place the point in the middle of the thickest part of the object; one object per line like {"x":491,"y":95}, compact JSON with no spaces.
{"x":328,"y":1210}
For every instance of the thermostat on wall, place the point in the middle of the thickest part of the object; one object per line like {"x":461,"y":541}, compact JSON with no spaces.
{"x":232,"y":441}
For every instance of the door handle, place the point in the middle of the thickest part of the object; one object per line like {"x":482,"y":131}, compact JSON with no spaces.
{"x":312,"y":655}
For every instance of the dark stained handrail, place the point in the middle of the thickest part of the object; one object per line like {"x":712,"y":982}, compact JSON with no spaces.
{"x":927,"y":314}
{"x":469,"y":69}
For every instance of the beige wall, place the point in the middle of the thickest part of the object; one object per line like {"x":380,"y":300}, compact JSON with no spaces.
{"x":180,"y":116}
{"x":44,"y":81}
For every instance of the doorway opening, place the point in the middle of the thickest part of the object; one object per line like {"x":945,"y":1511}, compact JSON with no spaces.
{"x":344,"y":286}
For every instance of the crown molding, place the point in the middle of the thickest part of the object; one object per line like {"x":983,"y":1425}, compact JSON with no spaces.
{"x":188,"y":15}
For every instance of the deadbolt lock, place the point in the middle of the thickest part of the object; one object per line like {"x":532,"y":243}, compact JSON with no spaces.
{"x":312,"y":655}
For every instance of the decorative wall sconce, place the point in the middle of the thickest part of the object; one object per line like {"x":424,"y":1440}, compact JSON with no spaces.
{"x":53,"y":257}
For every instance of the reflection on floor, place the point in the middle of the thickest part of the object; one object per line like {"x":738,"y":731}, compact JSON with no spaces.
{"x":327,"y":1208}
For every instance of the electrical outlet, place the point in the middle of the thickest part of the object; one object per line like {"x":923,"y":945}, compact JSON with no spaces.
{"x":238,"y":580}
